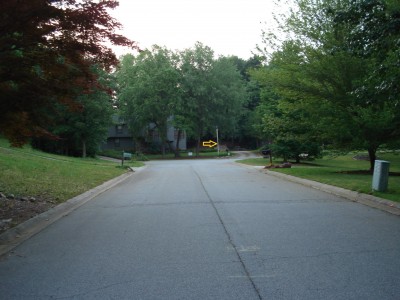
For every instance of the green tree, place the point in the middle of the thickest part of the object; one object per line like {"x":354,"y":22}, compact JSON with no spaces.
{"x":82,"y":129}
{"x":249,"y":135}
{"x":190,"y":90}
{"x":149,"y":90}
{"x":375,"y":33}
{"x":213,"y":92}
{"x":286,"y":122}
{"x":231,"y":97}
{"x":292,"y":133}
{"x":88,"y":128}
{"x":314,"y":69}
{"x":198,"y":94}
{"x":374,"y":36}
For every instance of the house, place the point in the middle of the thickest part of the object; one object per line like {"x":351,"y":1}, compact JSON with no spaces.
{"x":120,"y":138}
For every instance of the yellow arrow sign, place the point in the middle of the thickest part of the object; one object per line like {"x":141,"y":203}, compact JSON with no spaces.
{"x":210,"y":144}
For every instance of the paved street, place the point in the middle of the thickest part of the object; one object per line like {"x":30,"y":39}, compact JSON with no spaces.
{"x":209,"y":229}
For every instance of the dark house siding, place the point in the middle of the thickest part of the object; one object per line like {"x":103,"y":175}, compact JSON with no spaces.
{"x":119,"y":137}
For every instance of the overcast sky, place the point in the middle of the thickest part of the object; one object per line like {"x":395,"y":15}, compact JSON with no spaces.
{"x":229,"y":27}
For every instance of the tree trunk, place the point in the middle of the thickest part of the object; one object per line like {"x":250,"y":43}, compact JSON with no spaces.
{"x":178,"y":139}
{"x":163,"y":148}
{"x":198,"y":146}
{"x":163,"y":137}
{"x":372,"y":158}
{"x":83,"y":148}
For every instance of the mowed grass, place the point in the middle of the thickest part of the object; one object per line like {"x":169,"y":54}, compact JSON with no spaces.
{"x":28,"y":172}
{"x":330,"y":170}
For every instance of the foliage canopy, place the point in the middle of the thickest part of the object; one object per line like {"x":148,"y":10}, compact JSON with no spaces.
{"x":190,"y":90}
{"x":46,"y":50}
{"x":336,"y":66}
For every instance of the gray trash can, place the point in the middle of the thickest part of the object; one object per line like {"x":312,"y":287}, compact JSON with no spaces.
{"x":381,"y":176}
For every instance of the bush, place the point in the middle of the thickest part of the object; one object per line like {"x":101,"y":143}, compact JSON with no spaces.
{"x":294,"y":149}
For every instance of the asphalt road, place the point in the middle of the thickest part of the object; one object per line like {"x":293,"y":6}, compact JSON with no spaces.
{"x":209,"y":229}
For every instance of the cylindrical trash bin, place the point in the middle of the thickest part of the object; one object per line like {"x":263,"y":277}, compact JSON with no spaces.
{"x":381,"y":176}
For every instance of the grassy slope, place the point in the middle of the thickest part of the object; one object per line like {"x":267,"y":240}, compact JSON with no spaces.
{"x":328,"y":170}
{"x":27,"y":172}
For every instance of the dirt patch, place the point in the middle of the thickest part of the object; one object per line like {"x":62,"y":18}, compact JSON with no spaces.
{"x":16,"y":210}
{"x":281,"y":166}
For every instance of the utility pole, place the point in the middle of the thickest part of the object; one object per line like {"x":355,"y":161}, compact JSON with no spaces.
{"x":217,"y":140}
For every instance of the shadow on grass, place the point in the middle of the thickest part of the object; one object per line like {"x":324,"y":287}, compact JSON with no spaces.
{"x":365,"y":172}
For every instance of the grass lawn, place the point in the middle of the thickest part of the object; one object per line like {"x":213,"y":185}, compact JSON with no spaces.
{"x":330,"y":170}
{"x":28,"y":172}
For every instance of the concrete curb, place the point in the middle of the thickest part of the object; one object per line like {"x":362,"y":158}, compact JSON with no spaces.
{"x":369,"y":200}
{"x":20,"y":233}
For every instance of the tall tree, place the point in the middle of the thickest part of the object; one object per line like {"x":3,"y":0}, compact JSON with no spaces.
{"x":46,"y":50}
{"x":190,"y":90}
{"x":374,"y":36}
{"x":81,"y":131}
{"x":247,"y":134}
{"x":149,"y":90}
{"x":314,"y":67}
{"x":374,"y":33}
{"x":213,"y":92}
{"x":231,"y":97}
{"x":198,"y":94}
{"x":286,"y":122}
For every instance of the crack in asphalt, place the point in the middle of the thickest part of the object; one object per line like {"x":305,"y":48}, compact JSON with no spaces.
{"x":230,"y":239}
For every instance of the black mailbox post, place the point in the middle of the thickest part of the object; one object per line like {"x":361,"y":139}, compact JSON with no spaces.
{"x":266,"y":153}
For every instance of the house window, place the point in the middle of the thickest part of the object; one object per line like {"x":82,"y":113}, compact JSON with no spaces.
{"x":119,"y":129}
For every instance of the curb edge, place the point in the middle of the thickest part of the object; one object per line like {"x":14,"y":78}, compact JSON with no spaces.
{"x":369,"y":200}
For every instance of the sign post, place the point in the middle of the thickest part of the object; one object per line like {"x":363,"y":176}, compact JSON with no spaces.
{"x":217,"y":141}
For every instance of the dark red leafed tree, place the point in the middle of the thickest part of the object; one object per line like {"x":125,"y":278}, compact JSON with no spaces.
{"x":46,"y":50}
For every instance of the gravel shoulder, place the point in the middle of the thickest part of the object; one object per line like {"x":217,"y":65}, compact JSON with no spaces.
{"x":15,"y":210}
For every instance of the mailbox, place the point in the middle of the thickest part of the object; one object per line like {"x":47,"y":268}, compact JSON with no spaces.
{"x":127,"y":155}
{"x":266,"y":152}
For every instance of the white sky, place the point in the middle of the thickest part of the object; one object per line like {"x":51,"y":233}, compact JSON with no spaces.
{"x":229,"y":27}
